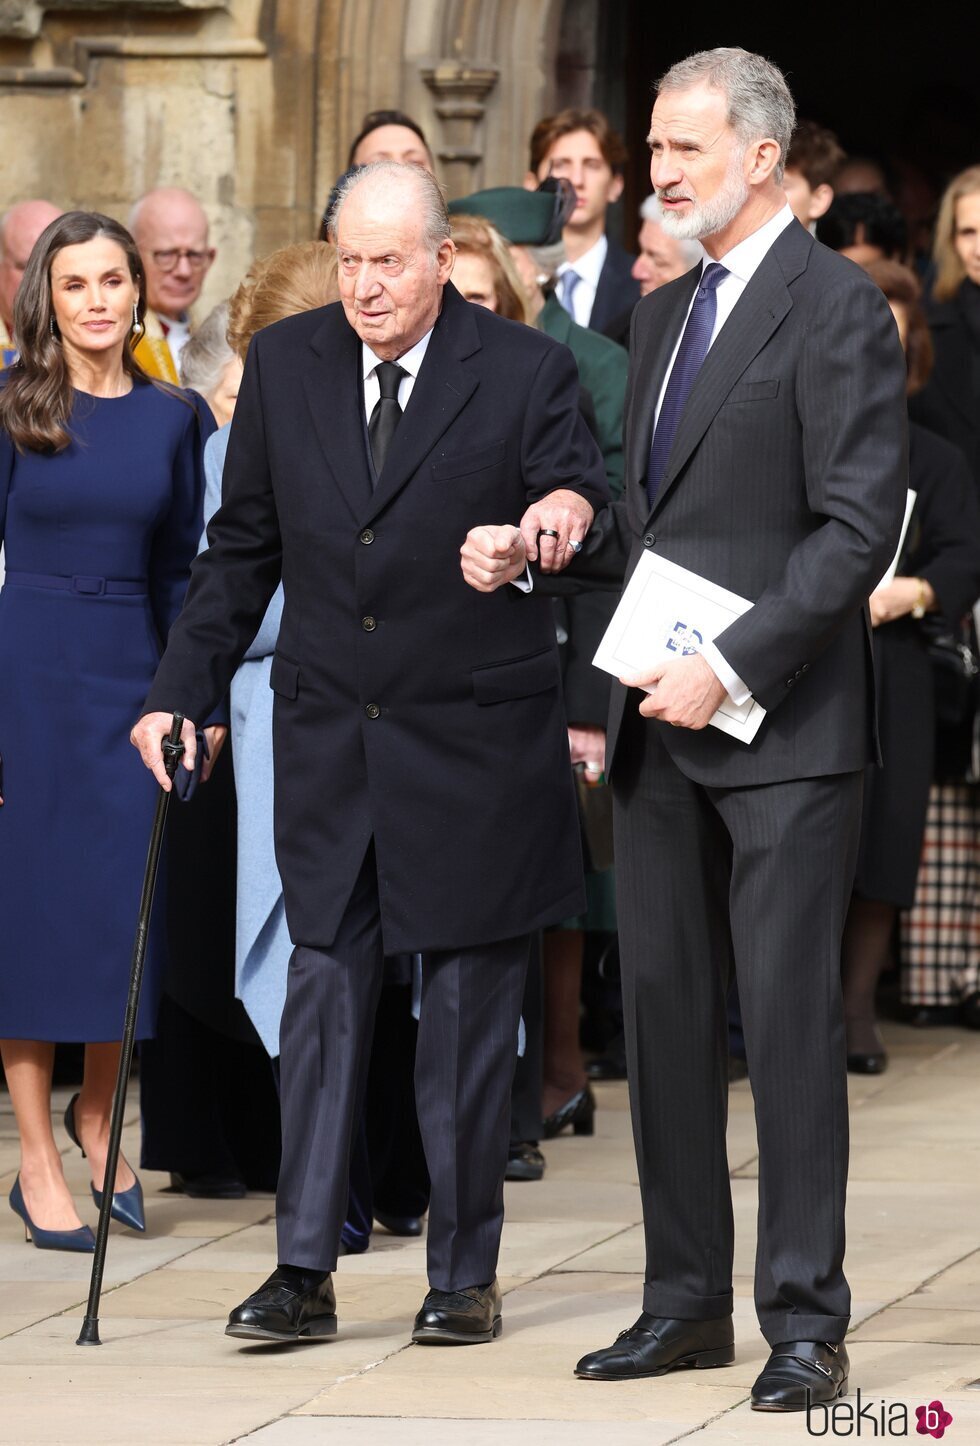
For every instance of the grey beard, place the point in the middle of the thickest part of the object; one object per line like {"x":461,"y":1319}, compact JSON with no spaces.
{"x":707,"y":218}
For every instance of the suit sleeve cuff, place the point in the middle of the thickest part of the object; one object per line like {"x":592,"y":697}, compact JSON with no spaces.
{"x":729,"y":679}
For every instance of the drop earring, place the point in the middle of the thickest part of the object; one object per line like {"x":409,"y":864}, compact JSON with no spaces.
{"x":138,"y":327}
{"x":52,"y":328}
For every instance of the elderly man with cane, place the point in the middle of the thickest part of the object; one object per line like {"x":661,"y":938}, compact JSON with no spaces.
{"x":424,"y":800}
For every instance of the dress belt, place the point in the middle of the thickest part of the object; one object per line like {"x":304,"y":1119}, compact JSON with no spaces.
{"x":81,"y":585}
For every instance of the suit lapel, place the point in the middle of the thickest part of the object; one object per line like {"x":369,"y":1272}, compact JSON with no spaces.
{"x":656,"y":337}
{"x":443,"y":387}
{"x":333,"y":392}
{"x":758,"y":313}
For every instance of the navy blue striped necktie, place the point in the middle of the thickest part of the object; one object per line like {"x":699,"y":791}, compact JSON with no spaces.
{"x":690,"y":355}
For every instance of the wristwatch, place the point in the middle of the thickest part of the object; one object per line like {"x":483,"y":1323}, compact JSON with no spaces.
{"x":919,"y":610}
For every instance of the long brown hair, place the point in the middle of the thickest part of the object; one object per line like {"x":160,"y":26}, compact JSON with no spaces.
{"x":950,"y":271}
{"x":902,"y":287}
{"x":37,"y":400}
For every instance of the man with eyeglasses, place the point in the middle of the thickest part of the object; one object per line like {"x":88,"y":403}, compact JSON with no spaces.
{"x":171,"y":231}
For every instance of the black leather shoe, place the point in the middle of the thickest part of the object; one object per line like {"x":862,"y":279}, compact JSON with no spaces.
{"x":658,"y":1344}
{"x":801,"y":1373}
{"x":399,"y":1224}
{"x":930,"y":1016}
{"x":208,"y":1187}
{"x":579,"y":1112}
{"x":459,"y":1317}
{"x":611,"y":1063}
{"x":281,"y":1311}
{"x":859,"y":1063}
{"x":524,"y":1162}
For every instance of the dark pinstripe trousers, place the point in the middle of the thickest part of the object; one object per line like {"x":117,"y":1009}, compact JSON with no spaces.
{"x":758,"y":879}
{"x":467,"y":1048}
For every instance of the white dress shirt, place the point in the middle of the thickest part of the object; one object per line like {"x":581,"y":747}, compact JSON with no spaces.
{"x":741,"y":263}
{"x":410,"y":364}
{"x":177,"y":330}
{"x":587,"y":267}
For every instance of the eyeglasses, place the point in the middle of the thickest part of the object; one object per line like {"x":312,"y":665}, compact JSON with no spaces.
{"x":196,"y":260}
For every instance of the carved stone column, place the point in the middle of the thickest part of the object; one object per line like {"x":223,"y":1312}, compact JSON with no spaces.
{"x":460,"y":90}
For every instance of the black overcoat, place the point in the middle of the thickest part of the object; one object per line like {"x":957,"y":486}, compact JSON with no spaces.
{"x":408,"y":706}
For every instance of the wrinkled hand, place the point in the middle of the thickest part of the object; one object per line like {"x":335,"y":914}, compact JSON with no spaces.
{"x":148,"y":735}
{"x":491,"y":557}
{"x":215,"y":733}
{"x":587,"y":744}
{"x":563,"y":512}
{"x":685,"y":693}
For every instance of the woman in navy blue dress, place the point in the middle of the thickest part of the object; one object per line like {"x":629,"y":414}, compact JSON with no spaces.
{"x":101,"y":487}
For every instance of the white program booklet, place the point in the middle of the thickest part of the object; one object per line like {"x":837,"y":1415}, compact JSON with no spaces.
{"x":668,"y":612}
{"x":890,"y":574}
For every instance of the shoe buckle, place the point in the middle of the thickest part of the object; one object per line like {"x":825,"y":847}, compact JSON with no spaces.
{"x":824,"y":1370}
{"x":831,"y":1347}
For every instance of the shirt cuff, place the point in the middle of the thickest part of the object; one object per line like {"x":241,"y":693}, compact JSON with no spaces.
{"x":729,"y":680}
{"x":525,"y":583}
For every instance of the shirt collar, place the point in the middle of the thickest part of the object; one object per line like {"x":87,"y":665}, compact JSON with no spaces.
{"x":590,"y":263}
{"x":411,"y":362}
{"x":744,"y":259}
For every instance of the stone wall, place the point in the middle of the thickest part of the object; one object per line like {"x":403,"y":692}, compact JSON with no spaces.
{"x":252,"y":103}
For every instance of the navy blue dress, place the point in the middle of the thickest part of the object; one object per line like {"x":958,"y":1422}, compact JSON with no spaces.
{"x":123,"y":502}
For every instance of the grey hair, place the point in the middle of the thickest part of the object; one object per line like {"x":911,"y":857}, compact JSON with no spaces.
{"x":547,"y":259}
{"x":206,"y":354}
{"x":691,"y":251}
{"x":759,"y":101}
{"x":435,"y":217}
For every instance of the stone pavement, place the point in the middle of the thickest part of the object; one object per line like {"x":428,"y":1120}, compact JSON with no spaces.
{"x":569,"y":1269}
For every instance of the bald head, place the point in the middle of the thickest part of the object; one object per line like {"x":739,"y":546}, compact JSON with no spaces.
{"x":19,"y":230}
{"x":395,"y":255}
{"x":171,"y":230}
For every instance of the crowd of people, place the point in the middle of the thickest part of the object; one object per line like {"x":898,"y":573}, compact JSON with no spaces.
{"x":310,"y":1018}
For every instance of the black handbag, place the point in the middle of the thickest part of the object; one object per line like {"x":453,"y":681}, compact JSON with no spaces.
{"x":952,"y":650}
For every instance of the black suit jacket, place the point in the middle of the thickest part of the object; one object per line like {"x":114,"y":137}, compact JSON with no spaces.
{"x":617,"y":291}
{"x":786,"y":484}
{"x":408,"y":706}
{"x":950,"y":402}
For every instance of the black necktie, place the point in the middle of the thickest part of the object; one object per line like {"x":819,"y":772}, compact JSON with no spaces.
{"x":387,"y":413}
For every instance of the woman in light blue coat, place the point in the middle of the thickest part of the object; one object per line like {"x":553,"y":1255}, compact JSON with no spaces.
{"x":262,"y":943}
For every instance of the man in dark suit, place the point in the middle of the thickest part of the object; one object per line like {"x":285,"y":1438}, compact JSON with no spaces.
{"x":766,"y":451}
{"x":596,"y":282}
{"x":414,"y":721}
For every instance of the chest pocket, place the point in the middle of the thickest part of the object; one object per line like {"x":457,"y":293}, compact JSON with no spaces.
{"x":462,"y":464}
{"x":753,"y":392}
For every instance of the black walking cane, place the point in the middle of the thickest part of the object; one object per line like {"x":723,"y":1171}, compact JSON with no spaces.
{"x":172,"y":751}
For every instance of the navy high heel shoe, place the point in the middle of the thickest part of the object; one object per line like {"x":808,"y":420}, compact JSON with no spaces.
{"x":81,"y":1240}
{"x":127,"y":1205}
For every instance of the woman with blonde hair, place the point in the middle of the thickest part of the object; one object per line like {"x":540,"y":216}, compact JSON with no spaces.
{"x":484,"y":272}
{"x":950,"y":404}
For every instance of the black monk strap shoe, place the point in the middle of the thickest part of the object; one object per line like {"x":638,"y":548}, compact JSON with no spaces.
{"x":658,"y":1344}
{"x":281,"y":1311}
{"x":800,"y":1374}
{"x":524,"y":1162}
{"x":459,"y":1317}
